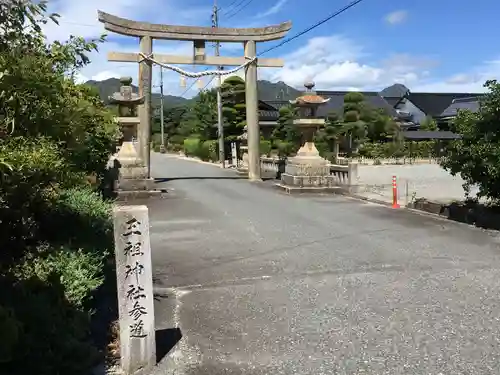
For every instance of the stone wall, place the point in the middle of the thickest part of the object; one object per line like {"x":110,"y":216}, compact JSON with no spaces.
{"x":468,"y":212}
{"x":387,"y":161}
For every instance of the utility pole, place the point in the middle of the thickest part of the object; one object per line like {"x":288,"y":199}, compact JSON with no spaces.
{"x":162,"y":124}
{"x":220,"y":125}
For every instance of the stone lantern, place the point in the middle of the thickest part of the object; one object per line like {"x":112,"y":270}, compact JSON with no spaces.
{"x":133,"y":174}
{"x":308,"y":170}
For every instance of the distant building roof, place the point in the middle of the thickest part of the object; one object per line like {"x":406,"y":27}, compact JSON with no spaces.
{"x":433,"y":104}
{"x":470,"y":103}
{"x":269,"y":111}
{"x":336,"y":102}
{"x":421,"y":135}
{"x":396,"y":91}
{"x":392,"y":101}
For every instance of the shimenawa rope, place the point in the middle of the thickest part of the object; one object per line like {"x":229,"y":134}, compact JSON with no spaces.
{"x":197,"y":74}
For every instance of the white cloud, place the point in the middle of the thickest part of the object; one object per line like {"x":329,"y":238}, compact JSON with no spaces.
{"x":274,"y":9}
{"x":336,"y":63}
{"x":396,"y":17}
{"x":333,"y":62}
{"x":80,"y":18}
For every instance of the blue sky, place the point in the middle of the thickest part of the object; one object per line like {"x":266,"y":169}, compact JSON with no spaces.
{"x":439,"y":45}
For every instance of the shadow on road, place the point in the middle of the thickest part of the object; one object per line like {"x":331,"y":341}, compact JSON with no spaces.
{"x":166,"y":339}
{"x":166,"y":179}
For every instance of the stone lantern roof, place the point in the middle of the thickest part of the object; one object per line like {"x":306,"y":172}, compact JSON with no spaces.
{"x":126,"y":96}
{"x":309,"y":98}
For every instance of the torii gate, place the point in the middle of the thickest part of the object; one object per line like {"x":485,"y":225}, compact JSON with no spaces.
{"x":199,"y":36}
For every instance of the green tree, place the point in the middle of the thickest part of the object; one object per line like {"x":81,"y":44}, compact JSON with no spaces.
{"x":428,"y":124}
{"x":476,"y":156}
{"x":38,"y":96}
{"x":233,"y":107}
{"x":354,"y":116}
{"x":286,"y":137}
{"x":172,"y":118}
{"x":200,"y":119}
{"x":327,"y":138}
{"x":380,"y":127}
{"x":53,"y":132}
{"x":285,"y":129}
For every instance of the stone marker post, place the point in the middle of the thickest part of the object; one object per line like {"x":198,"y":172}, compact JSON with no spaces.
{"x":234,"y":154}
{"x":135,"y":289}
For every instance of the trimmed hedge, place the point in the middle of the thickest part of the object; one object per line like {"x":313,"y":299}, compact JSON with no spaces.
{"x":47,"y":297}
{"x":421,"y":149}
{"x":265,"y":147}
{"x":207,"y":150}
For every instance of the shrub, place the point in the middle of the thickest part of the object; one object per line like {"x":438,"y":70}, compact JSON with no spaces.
{"x":79,"y":216}
{"x":422,"y":149}
{"x":10,"y":328}
{"x":285,"y":148}
{"x":38,"y":171}
{"x":265,"y":147}
{"x":156,"y":140}
{"x":192,"y":146}
{"x":210,"y":150}
{"x":49,"y":292}
{"x":174,"y":147}
{"x":53,"y":133}
{"x":79,"y":272}
{"x":53,"y":332}
{"x":176,"y":140}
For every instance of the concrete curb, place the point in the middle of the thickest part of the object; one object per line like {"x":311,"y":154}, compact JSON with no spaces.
{"x":366,"y":199}
{"x":417,"y":212}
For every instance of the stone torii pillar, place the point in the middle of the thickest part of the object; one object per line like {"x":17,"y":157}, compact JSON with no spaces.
{"x":199,"y":36}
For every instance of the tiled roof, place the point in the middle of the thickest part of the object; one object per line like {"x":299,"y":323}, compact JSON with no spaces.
{"x":265,"y":115}
{"x":266,"y":112}
{"x":392,"y":101}
{"x":433,"y":104}
{"x":471,"y":103}
{"x":396,"y":91}
{"x":420,"y":135}
{"x":277,"y":103}
{"x":336,"y":102}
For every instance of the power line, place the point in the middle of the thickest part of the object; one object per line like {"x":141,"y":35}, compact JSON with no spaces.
{"x":333,"y":15}
{"x":209,"y":82}
{"x":235,"y":6}
{"x":230,"y":5}
{"x":248,"y":2}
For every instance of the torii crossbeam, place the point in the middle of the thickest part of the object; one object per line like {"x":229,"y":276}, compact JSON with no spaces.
{"x":199,"y":36}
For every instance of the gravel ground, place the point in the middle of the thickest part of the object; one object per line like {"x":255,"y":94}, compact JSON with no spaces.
{"x":418,"y":181}
{"x":264,"y":283}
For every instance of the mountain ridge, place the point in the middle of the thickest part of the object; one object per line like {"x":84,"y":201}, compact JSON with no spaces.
{"x":267,"y":91}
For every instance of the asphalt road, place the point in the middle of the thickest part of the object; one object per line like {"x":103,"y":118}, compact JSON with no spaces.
{"x":264,"y":283}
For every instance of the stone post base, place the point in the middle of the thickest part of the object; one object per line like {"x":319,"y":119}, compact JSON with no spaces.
{"x":134,"y":184}
{"x":308,"y":172}
{"x":133,"y":175}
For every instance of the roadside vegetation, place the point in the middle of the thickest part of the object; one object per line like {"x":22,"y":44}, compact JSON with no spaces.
{"x":56,"y":242}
